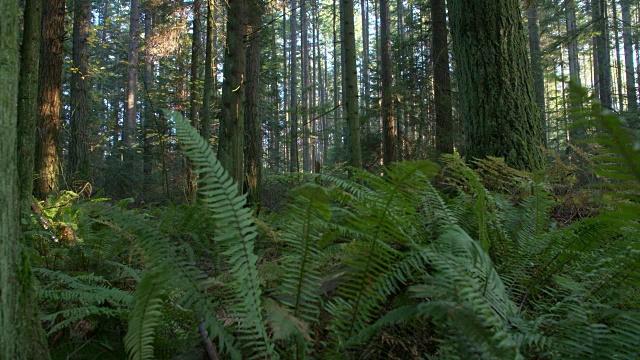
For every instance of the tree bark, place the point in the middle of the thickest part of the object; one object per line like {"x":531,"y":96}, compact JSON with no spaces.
{"x":20,"y":335}
{"x":498,"y":103}
{"x":441,"y":78}
{"x":130,"y":116}
{"x":388,"y":126}
{"x":536,"y":60}
{"x":253,"y":123}
{"x":79,"y":164}
{"x":632,"y":98}
{"x":574,"y":63}
{"x":149,"y":113}
{"x":28,"y":99}
{"x":205,"y":128}
{"x":231,"y":140}
{"x":47,"y":161}
{"x":304,"y":69}
{"x":616,"y":37}
{"x":194,"y":104}
{"x":603,"y":60}
{"x":293,"y":103}
{"x":354,"y":157}
{"x":366,"y":72}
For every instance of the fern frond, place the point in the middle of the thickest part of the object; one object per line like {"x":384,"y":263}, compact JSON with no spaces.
{"x":145,"y":316}
{"x":307,"y":216}
{"x":235,"y":235}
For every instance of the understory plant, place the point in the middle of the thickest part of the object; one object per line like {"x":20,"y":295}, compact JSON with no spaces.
{"x":458,"y":261}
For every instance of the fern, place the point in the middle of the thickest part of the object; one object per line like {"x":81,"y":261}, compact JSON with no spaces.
{"x":307,"y":215}
{"x":235,"y":235}
{"x":145,"y":317}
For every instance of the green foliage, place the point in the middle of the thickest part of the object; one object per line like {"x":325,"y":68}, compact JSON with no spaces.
{"x":235,"y":235}
{"x":470,"y":261}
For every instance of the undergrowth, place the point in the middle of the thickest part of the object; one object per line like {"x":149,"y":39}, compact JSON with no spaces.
{"x":458,"y":261}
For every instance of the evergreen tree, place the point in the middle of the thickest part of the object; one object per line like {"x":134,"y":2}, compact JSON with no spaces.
{"x":499,"y":110}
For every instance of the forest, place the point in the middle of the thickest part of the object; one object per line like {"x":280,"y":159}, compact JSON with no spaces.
{"x":319,"y":179}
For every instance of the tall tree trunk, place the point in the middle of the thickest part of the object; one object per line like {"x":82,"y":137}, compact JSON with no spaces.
{"x":354,"y":157}
{"x":536,"y":60}
{"x":285,"y":88}
{"x":28,"y":99}
{"x":194,"y":104}
{"x":632,"y":98}
{"x":47,"y":161}
{"x":304,"y":69}
{"x":231,"y":143}
{"x":293,"y":104}
{"x":205,"y":128}
{"x":253,"y":122}
{"x":79,"y":164}
{"x":441,"y":78}
{"x":275,"y":155}
{"x":400,"y":118}
{"x":20,"y":336}
{"x":500,"y":114}
{"x":572,"y":27}
{"x":603,"y":60}
{"x":366,"y":72}
{"x":29,"y":340}
{"x":336,"y":70}
{"x":388,"y":126}
{"x":616,"y":37}
{"x":130,"y":115}
{"x":149,"y":113}
{"x":574,"y":64}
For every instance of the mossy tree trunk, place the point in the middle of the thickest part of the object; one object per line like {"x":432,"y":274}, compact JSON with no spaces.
{"x":47,"y":160}
{"x":253,"y":122}
{"x":28,"y":99}
{"x":231,"y":142}
{"x":79,"y":165}
{"x":533,"y":24}
{"x":499,"y":110}
{"x":350,"y":72}
{"x":18,"y":318}
{"x":441,"y":78}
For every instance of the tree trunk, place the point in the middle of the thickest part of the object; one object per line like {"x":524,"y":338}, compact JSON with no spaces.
{"x":130,"y":115}
{"x":354,"y":157}
{"x":293,"y":104}
{"x":388,"y":126}
{"x":194,"y":104}
{"x":231,"y":139}
{"x":253,"y":122}
{"x":616,"y":37}
{"x":536,"y":61}
{"x":632,"y":98}
{"x":603,"y":60}
{"x":336,"y":70}
{"x":205,"y":128}
{"x":149,"y":113}
{"x":47,"y":161}
{"x":498,"y":103}
{"x":20,"y":336}
{"x":574,"y":63}
{"x":79,"y":164}
{"x":304,"y":69}
{"x":366,"y":72}
{"x":28,"y":99}
{"x":441,"y":78}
